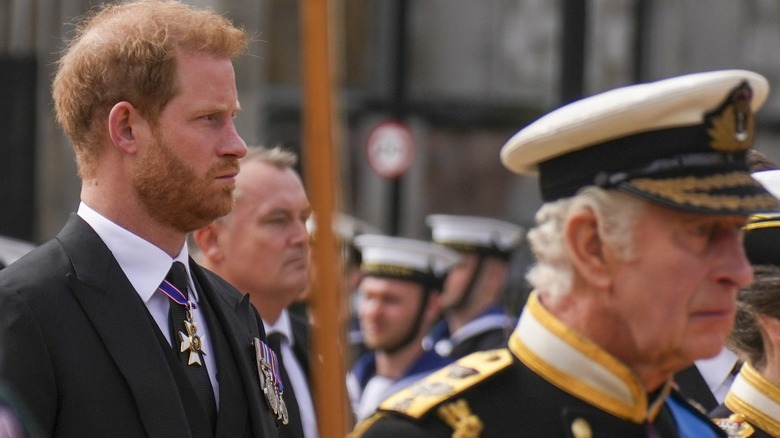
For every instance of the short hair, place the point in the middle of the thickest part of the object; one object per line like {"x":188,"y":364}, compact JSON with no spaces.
{"x":276,"y":156}
{"x":762,"y":297}
{"x":127,"y":52}
{"x":616,"y":212}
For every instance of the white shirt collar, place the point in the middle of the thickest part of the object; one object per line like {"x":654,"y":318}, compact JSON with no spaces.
{"x":282,"y":326}
{"x":716,"y":370}
{"x":144,"y":264}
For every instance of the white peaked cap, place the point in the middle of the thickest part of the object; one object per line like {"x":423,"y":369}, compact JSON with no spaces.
{"x":770,"y":179}
{"x":680,"y":142}
{"x":408,"y":259}
{"x":473,"y":233}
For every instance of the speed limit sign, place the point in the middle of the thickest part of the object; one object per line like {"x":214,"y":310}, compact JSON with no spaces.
{"x":390,"y":149}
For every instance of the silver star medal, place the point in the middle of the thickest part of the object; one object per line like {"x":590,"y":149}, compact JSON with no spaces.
{"x":283,"y":411}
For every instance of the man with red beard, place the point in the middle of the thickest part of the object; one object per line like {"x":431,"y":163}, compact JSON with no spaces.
{"x":399,"y":299}
{"x":110,"y":329}
{"x":262,"y":248}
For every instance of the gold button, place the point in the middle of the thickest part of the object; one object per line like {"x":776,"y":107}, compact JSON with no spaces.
{"x":580,"y":428}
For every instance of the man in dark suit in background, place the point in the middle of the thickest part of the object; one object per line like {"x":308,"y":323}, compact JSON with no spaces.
{"x":110,"y":329}
{"x":262,"y":247}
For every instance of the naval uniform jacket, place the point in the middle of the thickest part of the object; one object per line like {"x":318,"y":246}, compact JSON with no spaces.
{"x":486,"y":332}
{"x":83,"y":352}
{"x":550,"y":382}
{"x":756,"y":402}
{"x":365,"y":369}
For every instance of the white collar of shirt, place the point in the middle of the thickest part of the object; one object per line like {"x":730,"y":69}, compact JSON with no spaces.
{"x":716,"y":370}
{"x":282,"y":326}
{"x":144,"y":264}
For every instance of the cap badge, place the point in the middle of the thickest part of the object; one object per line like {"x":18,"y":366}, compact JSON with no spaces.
{"x":732,"y":125}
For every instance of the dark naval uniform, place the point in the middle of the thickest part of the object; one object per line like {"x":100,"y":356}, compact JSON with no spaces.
{"x":751,"y":408}
{"x":486,"y":332}
{"x":365,"y":369}
{"x":549,"y":383}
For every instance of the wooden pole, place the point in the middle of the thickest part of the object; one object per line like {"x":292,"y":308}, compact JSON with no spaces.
{"x":320,"y":165}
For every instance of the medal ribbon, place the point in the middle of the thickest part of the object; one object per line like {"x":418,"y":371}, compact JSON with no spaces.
{"x":175,"y":295}
{"x":270,"y":357}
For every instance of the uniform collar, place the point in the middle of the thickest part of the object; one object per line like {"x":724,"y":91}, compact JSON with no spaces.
{"x":578,"y":366}
{"x":756,"y":398}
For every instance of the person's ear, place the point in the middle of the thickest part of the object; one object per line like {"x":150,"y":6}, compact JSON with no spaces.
{"x":124,"y":126}
{"x":433,"y":305}
{"x":586,"y":249}
{"x":208,"y":243}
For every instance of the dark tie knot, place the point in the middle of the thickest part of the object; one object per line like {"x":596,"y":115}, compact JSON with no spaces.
{"x":275,"y":342}
{"x":177,"y":276}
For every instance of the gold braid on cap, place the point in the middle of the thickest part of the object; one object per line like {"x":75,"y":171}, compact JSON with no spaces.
{"x":692,"y":191}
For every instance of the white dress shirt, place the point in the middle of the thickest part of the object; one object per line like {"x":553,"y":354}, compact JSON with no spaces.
{"x":146,"y":266}
{"x":716,"y":371}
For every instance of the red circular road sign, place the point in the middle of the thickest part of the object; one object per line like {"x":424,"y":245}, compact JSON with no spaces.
{"x":390,"y":149}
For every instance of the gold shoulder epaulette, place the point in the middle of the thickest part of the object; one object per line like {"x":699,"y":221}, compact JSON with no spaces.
{"x":363,"y":426}
{"x":420,"y":397}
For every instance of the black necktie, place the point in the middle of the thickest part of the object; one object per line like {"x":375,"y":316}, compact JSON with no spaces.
{"x":197,"y":374}
{"x":294,"y":428}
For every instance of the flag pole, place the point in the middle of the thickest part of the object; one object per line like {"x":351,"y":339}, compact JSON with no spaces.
{"x":320,"y":164}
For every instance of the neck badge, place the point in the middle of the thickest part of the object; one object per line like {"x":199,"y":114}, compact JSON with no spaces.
{"x":191,"y":340}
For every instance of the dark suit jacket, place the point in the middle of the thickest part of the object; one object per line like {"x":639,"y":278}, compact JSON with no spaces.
{"x":691,"y":384}
{"x":79,"y":346}
{"x":301,"y":345}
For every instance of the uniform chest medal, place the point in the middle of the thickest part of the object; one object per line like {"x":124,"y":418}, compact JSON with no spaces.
{"x":271,"y":380}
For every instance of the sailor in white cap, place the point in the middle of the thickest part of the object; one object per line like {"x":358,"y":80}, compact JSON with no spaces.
{"x":399,"y":302}
{"x":347,"y":228}
{"x":639,"y":259}
{"x":474,"y":319}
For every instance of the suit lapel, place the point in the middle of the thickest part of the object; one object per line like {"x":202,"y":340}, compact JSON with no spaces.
{"x":122,"y":322}
{"x":233,"y":409}
{"x":300,"y":329}
{"x":692,"y":385}
{"x":239,"y":323}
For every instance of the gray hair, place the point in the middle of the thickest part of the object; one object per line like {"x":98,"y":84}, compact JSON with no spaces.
{"x":277,"y":156}
{"x":616,"y":212}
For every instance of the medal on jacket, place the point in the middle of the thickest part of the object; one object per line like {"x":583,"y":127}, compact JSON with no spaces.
{"x":191,"y":340}
{"x":270,"y":379}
